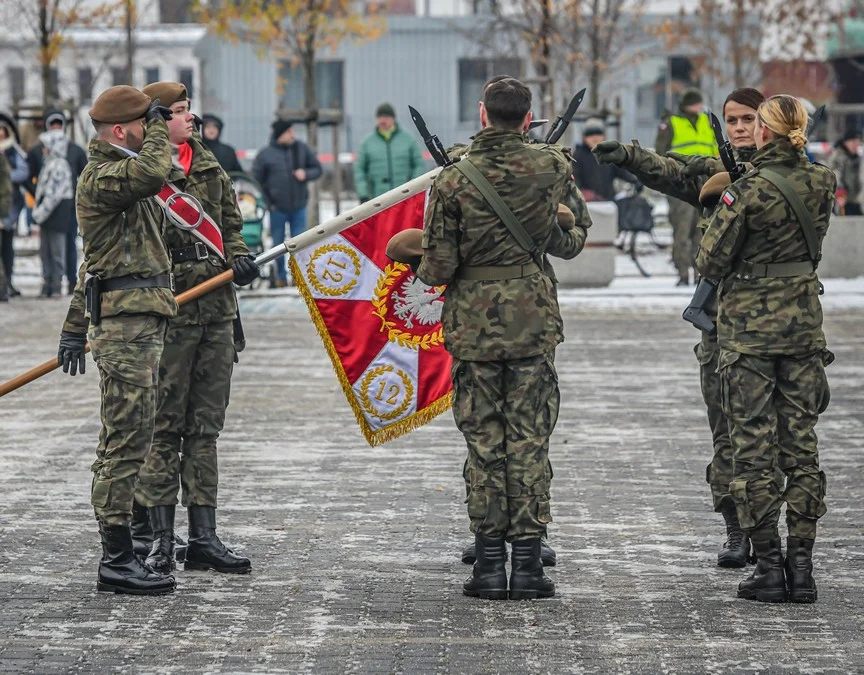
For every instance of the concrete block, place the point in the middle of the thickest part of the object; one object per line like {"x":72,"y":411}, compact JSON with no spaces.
{"x":843,"y":248}
{"x":595,"y":266}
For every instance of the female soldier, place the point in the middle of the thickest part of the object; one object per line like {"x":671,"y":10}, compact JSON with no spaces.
{"x":764,"y":242}
{"x":683,"y":177}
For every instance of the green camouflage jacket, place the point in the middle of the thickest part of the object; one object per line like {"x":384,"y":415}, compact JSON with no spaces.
{"x":123,"y":226}
{"x":208,"y":183}
{"x":514,"y":318}
{"x":753,"y":222}
{"x":665,"y":173}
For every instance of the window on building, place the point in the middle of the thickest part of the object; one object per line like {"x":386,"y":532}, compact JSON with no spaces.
{"x":151,"y":75}
{"x":119,"y":75}
{"x":176,"y":11}
{"x":186,"y":75}
{"x":328,"y":85}
{"x":85,"y":85}
{"x":54,"y":85}
{"x":473,"y":74}
{"x":16,"y":83}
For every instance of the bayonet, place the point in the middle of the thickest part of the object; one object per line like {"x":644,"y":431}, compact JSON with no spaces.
{"x":559,"y":126}
{"x":815,"y":119}
{"x":435,"y":147}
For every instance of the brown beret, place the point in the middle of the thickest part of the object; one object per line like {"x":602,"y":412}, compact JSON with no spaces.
{"x":168,"y":93}
{"x":119,"y":104}
{"x":713,"y":188}
{"x":406,"y":247}
{"x":566,"y":219}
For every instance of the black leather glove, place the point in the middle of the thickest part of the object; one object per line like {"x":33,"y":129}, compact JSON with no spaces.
{"x":197,"y":122}
{"x":610,"y":152}
{"x":155,"y":111}
{"x":71,"y":355}
{"x":245,"y":270}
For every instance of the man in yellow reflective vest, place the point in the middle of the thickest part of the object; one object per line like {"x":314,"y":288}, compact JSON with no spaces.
{"x":688,"y":133}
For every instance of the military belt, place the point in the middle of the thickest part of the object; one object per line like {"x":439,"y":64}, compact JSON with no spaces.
{"x":749,"y":270}
{"x":497,"y":272}
{"x":131,"y":281}
{"x":196,"y":252}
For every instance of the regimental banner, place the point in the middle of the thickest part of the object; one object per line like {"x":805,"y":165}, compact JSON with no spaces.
{"x":380,"y":325}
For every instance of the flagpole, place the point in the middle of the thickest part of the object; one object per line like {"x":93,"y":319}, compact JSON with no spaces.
{"x":304,"y":240}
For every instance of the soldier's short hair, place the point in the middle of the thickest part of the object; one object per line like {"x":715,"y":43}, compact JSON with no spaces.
{"x":507,"y":102}
{"x":494,"y":79}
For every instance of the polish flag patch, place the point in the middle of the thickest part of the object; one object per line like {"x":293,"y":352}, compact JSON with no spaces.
{"x":728,"y":198}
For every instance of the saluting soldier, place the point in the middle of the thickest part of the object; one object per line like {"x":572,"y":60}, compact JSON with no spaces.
{"x":129,"y":301}
{"x":764,"y":242}
{"x":490,"y":219}
{"x":698,"y":180}
{"x":198,"y":358}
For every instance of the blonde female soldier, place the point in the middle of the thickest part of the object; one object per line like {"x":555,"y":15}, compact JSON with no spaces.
{"x":764,"y":242}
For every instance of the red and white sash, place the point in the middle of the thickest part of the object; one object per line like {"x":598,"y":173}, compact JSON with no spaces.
{"x":187,"y":212}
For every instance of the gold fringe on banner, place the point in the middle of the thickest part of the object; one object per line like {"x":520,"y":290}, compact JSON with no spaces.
{"x":391,"y":431}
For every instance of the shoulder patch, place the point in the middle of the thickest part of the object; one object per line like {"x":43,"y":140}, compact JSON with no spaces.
{"x":728,"y":198}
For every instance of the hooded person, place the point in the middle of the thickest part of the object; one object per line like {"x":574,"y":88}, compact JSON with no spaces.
{"x":10,"y":147}
{"x":55,"y":120}
{"x":846,"y":164}
{"x":211,"y":135}
{"x":54,"y":210}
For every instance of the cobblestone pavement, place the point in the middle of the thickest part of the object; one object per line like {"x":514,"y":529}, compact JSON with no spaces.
{"x":355,"y":549}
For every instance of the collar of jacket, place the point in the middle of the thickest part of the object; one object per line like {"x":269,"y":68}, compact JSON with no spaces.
{"x":779,"y":151}
{"x":102,"y":151}
{"x":492,"y":138}
{"x":745,"y":154}
{"x":392,"y":133}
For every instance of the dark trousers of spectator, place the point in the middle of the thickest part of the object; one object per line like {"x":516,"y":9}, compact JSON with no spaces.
{"x":52,"y":248}
{"x":852,"y":209}
{"x":72,"y":254}
{"x":7,"y":252}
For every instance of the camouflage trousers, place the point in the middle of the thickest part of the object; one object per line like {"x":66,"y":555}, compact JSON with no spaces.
{"x":127,"y":349}
{"x":775,"y":402}
{"x":194,"y":383}
{"x":507,"y":410}
{"x":718,"y":474}
{"x":685,"y":235}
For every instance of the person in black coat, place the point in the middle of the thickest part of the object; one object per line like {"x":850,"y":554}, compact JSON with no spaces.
{"x":77,"y":158}
{"x":594,"y":179}
{"x":226,"y":155}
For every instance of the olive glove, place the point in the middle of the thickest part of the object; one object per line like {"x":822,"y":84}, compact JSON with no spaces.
{"x":71,"y":354}
{"x":155,"y":111}
{"x":245,"y":270}
{"x":610,"y":152}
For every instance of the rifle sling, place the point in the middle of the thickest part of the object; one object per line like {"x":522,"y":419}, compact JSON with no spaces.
{"x":472,"y":173}
{"x":801,"y":213}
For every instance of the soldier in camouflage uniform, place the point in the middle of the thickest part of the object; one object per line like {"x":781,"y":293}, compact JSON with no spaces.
{"x":122,"y":226}
{"x":501,"y":325}
{"x":196,"y":365}
{"x":684,"y":177}
{"x":764,"y":241}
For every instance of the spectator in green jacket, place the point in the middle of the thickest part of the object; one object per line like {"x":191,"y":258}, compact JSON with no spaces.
{"x":388,"y":157}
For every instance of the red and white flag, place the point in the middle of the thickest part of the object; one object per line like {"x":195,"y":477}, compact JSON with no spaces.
{"x":380,"y":325}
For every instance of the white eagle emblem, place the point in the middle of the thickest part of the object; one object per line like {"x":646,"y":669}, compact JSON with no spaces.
{"x":418,"y":302}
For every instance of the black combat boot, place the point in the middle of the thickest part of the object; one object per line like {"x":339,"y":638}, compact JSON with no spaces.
{"x":527,"y":581}
{"x":547,"y":554}
{"x":488,"y":579}
{"x":161,"y":557}
{"x":121,"y":571}
{"x":799,"y":570}
{"x":142,"y":532}
{"x":736,"y":550}
{"x":206,"y":551}
{"x":767,"y":583}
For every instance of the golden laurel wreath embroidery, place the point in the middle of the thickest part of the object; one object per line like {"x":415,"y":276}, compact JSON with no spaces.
{"x":329,"y":290}
{"x":366,"y":401}
{"x":394,"y":334}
